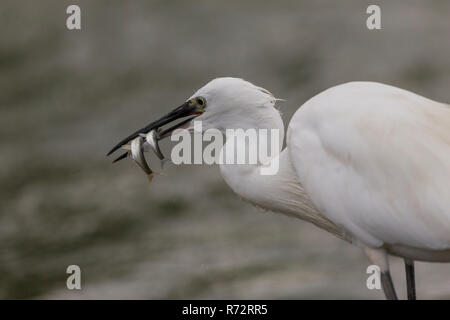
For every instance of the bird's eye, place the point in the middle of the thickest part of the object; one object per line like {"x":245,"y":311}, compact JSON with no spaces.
{"x":200,"y":101}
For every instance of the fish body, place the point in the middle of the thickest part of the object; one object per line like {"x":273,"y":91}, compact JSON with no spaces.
{"x":139,"y":145}
{"x":137,"y":153}
{"x":152,"y":141}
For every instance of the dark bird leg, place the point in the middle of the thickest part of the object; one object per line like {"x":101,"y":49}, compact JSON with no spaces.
{"x":379,"y":257}
{"x":410,"y":281}
{"x":388,"y":285}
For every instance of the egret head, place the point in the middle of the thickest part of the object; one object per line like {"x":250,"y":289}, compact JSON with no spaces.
{"x":223,"y":103}
{"x":231,"y":103}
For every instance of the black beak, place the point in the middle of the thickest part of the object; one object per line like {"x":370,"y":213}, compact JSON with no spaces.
{"x":185,"y":110}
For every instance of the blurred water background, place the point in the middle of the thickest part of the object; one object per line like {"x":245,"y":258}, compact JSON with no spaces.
{"x":67,"y":96}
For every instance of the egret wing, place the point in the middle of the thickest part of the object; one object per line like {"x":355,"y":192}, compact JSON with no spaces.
{"x":375,"y":160}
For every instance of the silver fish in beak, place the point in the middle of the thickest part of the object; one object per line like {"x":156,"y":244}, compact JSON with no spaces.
{"x":138,"y":146}
{"x":152,"y":140}
{"x":188,"y":109}
{"x":151,"y":143}
{"x":137,"y":153}
{"x":152,"y":133}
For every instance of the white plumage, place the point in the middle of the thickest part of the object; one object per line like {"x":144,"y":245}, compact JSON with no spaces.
{"x":375,"y":160}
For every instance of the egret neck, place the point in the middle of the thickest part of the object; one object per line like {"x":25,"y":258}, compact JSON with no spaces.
{"x":280,"y":192}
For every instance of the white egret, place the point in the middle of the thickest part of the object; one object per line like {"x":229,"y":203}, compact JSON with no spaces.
{"x":368,"y":162}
